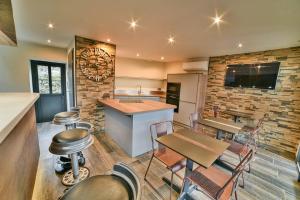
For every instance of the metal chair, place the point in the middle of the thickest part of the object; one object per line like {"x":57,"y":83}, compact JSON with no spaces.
{"x":253,"y":132}
{"x":122,"y":183}
{"x":216,"y":110}
{"x":216,"y":183}
{"x":70,"y":142}
{"x":194,"y":125}
{"x":172,"y":160}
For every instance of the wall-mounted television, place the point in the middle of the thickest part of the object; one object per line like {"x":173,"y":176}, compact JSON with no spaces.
{"x":261,"y":76}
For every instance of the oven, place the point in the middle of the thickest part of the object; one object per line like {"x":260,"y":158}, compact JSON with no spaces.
{"x":173,"y":95}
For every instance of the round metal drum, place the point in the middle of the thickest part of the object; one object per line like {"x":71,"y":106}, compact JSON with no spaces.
{"x":99,"y":188}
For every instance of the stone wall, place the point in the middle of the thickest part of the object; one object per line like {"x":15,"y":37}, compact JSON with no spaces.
{"x":88,"y":91}
{"x":281,"y":131}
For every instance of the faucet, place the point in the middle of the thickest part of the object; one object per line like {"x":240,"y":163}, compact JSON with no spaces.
{"x":140,"y":89}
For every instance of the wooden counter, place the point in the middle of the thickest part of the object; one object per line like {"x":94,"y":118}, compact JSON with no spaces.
{"x":19,"y":147}
{"x":134,"y":108}
{"x":13,"y":106}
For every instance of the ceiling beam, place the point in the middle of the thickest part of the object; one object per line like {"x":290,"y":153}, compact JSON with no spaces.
{"x":7,"y":25}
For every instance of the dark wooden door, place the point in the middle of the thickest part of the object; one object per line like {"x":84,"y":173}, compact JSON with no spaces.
{"x":49,"y":79}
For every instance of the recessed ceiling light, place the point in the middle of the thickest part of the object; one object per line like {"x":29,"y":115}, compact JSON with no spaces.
{"x":240,"y":45}
{"x":171,"y":40}
{"x":49,"y":41}
{"x":162,"y":58}
{"x":137,"y":54}
{"x":133,"y":24}
{"x":217,"y":19}
{"x":50,"y":25}
{"x":258,"y":66}
{"x":108,"y":39}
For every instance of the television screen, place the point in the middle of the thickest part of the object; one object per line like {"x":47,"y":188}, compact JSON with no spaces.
{"x":262,"y":76}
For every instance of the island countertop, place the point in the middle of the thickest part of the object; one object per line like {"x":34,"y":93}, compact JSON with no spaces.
{"x":135,"y":108}
{"x":13,"y":106}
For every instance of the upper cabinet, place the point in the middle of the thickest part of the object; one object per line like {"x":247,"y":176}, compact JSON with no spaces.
{"x":189,"y":86}
{"x":7,"y":25}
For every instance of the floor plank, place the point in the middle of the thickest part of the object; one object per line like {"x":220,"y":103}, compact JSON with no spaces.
{"x":271,"y":177}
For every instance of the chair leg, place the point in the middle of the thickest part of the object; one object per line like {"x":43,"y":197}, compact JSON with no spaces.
{"x":235,"y":194}
{"x":243,"y":180}
{"x":171,"y":185}
{"x":148,"y":167}
{"x":242,"y":173}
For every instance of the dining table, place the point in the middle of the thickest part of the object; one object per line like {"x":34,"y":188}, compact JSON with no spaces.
{"x":222,"y":125}
{"x":196,"y":148}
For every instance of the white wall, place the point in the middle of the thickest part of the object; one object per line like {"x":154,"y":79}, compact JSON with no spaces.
{"x":139,"y":68}
{"x":130,"y":73}
{"x":173,"y":68}
{"x":15,"y":64}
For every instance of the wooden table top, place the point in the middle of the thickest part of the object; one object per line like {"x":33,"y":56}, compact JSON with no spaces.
{"x":129,"y":108}
{"x":222,"y":124}
{"x":238,"y":113}
{"x":201,"y":149}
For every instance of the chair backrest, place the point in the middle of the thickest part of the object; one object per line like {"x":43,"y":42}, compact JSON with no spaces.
{"x":236,"y":173}
{"x":194,"y":117}
{"x":160,"y":129}
{"x":261,"y":121}
{"x":216,"y":110}
{"x":126,"y":173}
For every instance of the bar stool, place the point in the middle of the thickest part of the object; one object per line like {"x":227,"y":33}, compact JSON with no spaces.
{"x":70,"y":142}
{"x":69,"y":119}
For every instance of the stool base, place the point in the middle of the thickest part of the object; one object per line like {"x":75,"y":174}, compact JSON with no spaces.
{"x":68,"y":178}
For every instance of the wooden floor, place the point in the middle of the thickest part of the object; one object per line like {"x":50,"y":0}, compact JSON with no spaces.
{"x":272,"y":177}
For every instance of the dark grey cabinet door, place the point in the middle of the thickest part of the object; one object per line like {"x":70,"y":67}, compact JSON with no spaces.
{"x":49,"y":79}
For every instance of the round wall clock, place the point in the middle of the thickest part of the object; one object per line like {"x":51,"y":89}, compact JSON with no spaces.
{"x":96,"y":64}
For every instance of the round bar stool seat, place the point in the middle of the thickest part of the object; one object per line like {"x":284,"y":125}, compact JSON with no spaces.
{"x":75,"y":109}
{"x":66,"y":118}
{"x":70,"y":142}
{"x":100,"y":187}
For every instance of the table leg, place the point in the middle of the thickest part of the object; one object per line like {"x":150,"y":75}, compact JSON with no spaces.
{"x":188,"y":171}
{"x":219,"y":134}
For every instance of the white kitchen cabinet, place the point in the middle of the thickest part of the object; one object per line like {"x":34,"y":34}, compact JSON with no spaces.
{"x":189,"y":85}
{"x":185,"y":109}
{"x":192,"y":94}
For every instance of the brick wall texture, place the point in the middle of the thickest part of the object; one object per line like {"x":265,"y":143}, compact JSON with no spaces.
{"x":281,"y":131}
{"x":88,"y":91}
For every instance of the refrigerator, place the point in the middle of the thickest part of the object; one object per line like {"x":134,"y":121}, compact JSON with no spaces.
{"x":190,"y":93}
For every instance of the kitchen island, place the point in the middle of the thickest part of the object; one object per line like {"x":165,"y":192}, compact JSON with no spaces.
{"x":128,"y":122}
{"x":19,"y":148}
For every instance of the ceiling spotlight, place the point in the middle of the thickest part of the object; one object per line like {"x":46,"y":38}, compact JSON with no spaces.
{"x":108,"y":39}
{"x":137,"y":54}
{"x":171,"y":40}
{"x":50,"y":25}
{"x":133,"y":24}
{"x":240,"y":45}
{"x":258,"y":66}
{"x":217,"y":19}
{"x":49,"y":41}
{"x":162,"y":58}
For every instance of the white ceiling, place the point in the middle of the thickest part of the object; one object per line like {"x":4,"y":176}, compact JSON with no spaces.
{"x":257,"y":24}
